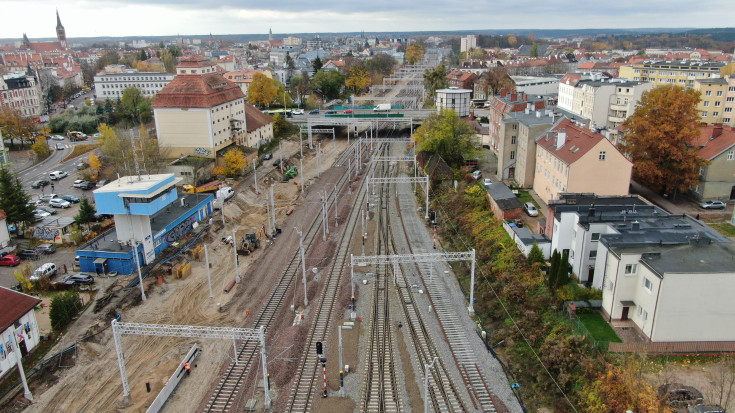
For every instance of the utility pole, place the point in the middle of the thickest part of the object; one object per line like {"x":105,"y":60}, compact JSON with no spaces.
{"x":319,"y":159}
{"x":26,"y":390}
{"x":140,"y":276}
{"x":326,"y":210}
{"x":303,"y":264}
{"x":336,"y":222}
{"x":341,"y":366}
{"x":301,"y":143}
{"x":363,"y":233}
{"x":209,"y":275}
{"x":234,"y":250}
{"x":280,"y":156}
{"x":301,"y":171}
{"x":273,"y":210}
{"x":255,"y":174}
{"x":349,"y":175}
{"x":426,"y":383}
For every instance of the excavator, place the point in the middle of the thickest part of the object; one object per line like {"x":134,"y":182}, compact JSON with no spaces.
{"x":248,"y":244}
{"x":291,"y":173}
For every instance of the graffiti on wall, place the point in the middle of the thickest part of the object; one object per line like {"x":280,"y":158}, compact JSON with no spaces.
{"x":46,"y":233}
{"x":181,"y":229}
{"x":202,"y":151}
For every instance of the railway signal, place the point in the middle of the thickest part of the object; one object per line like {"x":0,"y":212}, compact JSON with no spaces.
{"x":319,"y":348}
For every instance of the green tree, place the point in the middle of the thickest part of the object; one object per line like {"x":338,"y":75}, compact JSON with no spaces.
{"x":290,"y":65}
{"x":282,"y":95}
{"x":448,"y":135}
{"x":109,"y":58}
{"x":14,"y":200}
{"x":380,"y":65}
{"x":554,"y":269}
{"x":414,"y":53}
{"x":299,"y":86}
{"x":142,"y":55}
{"x":64,"y":307}
{"x":536,"y":255}
{"x":534,"y":50}
{"x":328,"y":84}
{"x":562,"y":275}
{"x":169,"y":61}
{"x":358,"y":78}
{"x":317,"y":64}
{"x":262,"y":90}
{"x":134,"y":108}
{"x":86,"y":212}
{"x":659,"y":139}
{"x":281,"y":127}
{"x":435,"y":79}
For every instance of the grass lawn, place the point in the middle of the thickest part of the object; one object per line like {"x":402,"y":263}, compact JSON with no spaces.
{"x":524,"y":197}
{"x":81,"y":149}
{"x":599,"y":328}
{"x":725,"y":229}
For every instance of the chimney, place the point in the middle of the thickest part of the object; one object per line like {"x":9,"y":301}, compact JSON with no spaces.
{"x":561,"y":138}
{"x":716,"y":130}
{"x":503,"y":93}
{"x":635,"y":226}
{"x":513,"y":97}
{"x":538,"y":114}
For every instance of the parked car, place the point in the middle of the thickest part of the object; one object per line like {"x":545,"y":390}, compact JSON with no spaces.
{"x":47,"y":198}
{"x":713,"y":205}
{"x":477,"y":174}
{"x":70,"y":198}
{"x":59,"y":203}
{"x":78,"y":183}
{"x":487,"y":182}
{"x":57,"y":137}
{"x":39,"y":214}
{"x":80,"y":278}
{"x":277,"y":162}
{"x":530,"y":209}
{"x":100,"y":217}
{"x":39,"y":183}
{"x":55,"y":175}
{"x":46,"y":248}
{"x":226,"y":193}
{"x":87,"y":185}
{"x":102,"y":183}
{"x":81,"y":165}
{"x":348,"y":112}
{"x":46,"y":209}
{"x":46,"y":270}
{"x":330,"y":112}
{"x":29,"y":254}
{"x":10,"y":261}
{"x":268,"y":156}
{"x":59,"y":146}
{"x":314,"y":112}
{"x":298,"y":111}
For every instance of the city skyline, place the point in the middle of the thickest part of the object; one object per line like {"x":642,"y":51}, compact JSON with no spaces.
{"x":195,"y":17}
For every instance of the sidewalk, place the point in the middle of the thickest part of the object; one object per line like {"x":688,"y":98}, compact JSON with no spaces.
{"x":20,"y":161}
{"x":636,"y":188}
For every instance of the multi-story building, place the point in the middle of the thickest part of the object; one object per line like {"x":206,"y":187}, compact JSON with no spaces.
{"x":18,"y":328}
{"x":315,"y":43}
{"x":461,"y":80}
{"x":243,"y":78}
{"x":508,"y":102}
{"x":278,"y":55}
{"x":199,"y":112}
{"x":517,"y":144}
{"x":728,"y":116}
{"x":675,"y":73}
{"x":4,"y":158}
{"x":622,"y":105}
{"x":571,"y":158}
{"x":455,"y":99}
{"x":567,"y":84}
{"x":467,"y":43}
{"x":713,"y":95}
{"x":717,"y":180}
{"x":291,"y":41}
{"x":110,"y":86}
{"x":22,"y":91}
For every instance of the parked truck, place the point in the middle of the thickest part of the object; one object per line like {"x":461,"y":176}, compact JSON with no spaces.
{"x":248,"y":244}
{"x":382,"y":107}
{"x":208,"y":187}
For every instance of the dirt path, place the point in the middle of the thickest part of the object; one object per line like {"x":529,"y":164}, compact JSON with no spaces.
{"x":93,"y":384}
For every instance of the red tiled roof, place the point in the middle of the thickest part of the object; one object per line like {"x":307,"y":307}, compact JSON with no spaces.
{"x":461,"y":76}
{"x":711,"y":147}
{"x":579,"y":140}
{"x":13,"y":306}
{"x":588,"y":65}
{"x":46,"y":46}
{"x":571,"y":79}
{"x":2,"y":215}
{"x":194,"y":91}
{"x":194,"y":61}
{"x":255,"y":119}
{"x":338,"y":63}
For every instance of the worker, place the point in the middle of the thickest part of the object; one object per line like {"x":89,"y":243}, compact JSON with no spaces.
{"x":187,"y":367}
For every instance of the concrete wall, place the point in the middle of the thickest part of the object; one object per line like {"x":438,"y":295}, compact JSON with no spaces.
{"x":182,"y":132}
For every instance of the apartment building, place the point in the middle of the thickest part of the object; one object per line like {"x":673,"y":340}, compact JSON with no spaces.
{"x":571,"y":158}
{"x":713,"y":95}
{"x":243,"y":78}
{"x":717,"y":180}
{"x":110,"y":86}
{"x":467,"y":42}
{"x":728,"y":116}
{"x":505,"y":103}
{"x":681,"y":73}
{"x":22,"y":91}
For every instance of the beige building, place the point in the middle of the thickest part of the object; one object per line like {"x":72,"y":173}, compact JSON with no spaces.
{"x":728,"y":116}
{"x":571,"y":158}
{"x":244,"y":78}
{"x":711,"y":105}
{"x":199,"y":112}
{"x":259,"y":126}
{"x":717,"y":180}
{"x":675,"y":73}
{"x":679,"y":293}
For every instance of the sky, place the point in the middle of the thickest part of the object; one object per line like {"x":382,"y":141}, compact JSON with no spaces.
{"x":93,"y":18}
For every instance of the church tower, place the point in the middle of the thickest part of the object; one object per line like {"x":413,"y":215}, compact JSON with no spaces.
{"x":270,"y":34}
{"x":60,"y":32}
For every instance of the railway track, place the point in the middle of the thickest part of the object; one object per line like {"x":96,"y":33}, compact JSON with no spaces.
{"x":380,"y":392}
{"x":304,"y":385}
{"x":226,"y":395}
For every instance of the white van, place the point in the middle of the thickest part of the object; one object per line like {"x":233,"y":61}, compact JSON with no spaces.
{"x":46,"y":270}
{"x":55,"y":175}
{"x":223,"y":194}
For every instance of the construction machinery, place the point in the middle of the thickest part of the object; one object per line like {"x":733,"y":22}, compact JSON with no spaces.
{"x":248,"y":244}
{"x":208,"y":187}
{"x":291,"y":173}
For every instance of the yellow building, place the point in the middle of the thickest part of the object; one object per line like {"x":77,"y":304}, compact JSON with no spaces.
{"x":572,"y":159}
{"x":675,"y":73}
{"x":711,"y":105}
{"x":728,"y":116}
{"x":199,"y":112}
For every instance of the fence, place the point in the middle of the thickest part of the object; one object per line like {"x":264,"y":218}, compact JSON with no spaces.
{"x":588,"y":338}
{"x":689,"y":347}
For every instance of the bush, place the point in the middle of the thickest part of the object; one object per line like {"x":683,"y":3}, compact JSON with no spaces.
{"x":64,"y":307}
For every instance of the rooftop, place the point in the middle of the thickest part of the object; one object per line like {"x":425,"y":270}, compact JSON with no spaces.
{"x":13,"y":305}
{"x":453,"y":90}
{"x":205,"y":91}
{"x":503,"y":196}
{"x":577,"y":142}
{"x":695,"y":258}
{"x":132,"y":183}
{"x":254,"y":118}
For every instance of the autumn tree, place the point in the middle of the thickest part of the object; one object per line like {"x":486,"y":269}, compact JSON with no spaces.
{"x":15,"y":126}
{"x":495,"y":80}
{"x":358,"y":78}
{"x":95,"y":163}
{"x":512,"y":40}
{"x":41,"y":149}
{"x":262,"y":91}
{"x":414,"y":54}
{"x":122,"y":148}
{"x":622,"y":388}
{"x":659,"y":139}
{"x":448,"y":135}
{"x":86,"y":212}
{"x":534,"y":50}
{"x":328,"y":84}
{"x":233,"y":163}
{"x":435,"y":79}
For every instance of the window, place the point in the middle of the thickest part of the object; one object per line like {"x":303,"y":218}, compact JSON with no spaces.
{"x":593,"y":254}
{"x":717,"y":103}
{"x":602,"y":155}
{"x":706,"y":103}
{"x":595,"y":236}
{"x":731,"y":155}
{"x":512,"y":154}
{"x":631,"y":268}
{"x":705,"y":114}
{"x":726,"y":120}
{"x":715,"y":114}
{"x":719,"y":93}
{"x":708,"y":93}
{"x":647,"y":284}
{"x":513,"y":140}
{"x":731,"y":99}
{"x":728,"y":110}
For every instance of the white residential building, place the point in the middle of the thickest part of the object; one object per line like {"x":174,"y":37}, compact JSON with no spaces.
{"x":454,"y":98}
{"x":467,"y":42}
{"x":110,"y":86}
{"x":17,"y":325}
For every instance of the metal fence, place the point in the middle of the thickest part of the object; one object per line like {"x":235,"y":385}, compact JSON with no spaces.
{"x":688,"y":347}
